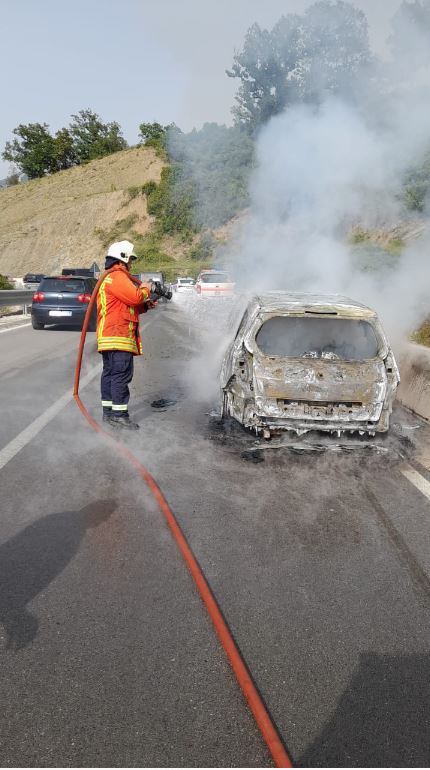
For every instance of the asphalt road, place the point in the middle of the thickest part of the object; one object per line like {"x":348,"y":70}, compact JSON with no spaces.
{"x":320,"y":562}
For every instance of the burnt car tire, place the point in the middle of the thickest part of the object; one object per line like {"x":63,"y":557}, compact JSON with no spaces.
{"x":37,"y":325}
{"x":225,"y":411}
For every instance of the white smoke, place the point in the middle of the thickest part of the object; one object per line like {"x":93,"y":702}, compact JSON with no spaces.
{"x":322,"y":170}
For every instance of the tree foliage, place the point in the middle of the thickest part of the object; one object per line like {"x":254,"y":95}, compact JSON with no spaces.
{"x":64,"y":153}
{"x":213,"y":167}
{"x":94,"y":139}
{"x":36,"y":152}
{"x":155,"y":135}
{"x":152,"y":131}
{"x":324,"y":50}
{"x":173,"y":202}
{"x":206,"y":183}
{"x":32,"y":150}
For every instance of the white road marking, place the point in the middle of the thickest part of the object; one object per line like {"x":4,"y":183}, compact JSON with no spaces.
{"x":417,"y":480}
{"x":14,"y":328}
{"x":26,"y":435}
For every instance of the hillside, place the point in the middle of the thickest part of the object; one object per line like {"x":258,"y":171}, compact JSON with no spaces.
{"x":50,"y":223}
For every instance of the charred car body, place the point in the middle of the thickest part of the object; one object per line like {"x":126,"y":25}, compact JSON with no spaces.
{"x":303,"y":362}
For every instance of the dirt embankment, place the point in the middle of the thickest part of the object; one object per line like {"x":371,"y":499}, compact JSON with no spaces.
{"x":414,"y":390}
{"x":51,"y":223}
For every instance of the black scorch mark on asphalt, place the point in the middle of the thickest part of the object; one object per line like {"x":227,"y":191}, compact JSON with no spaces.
{"x":163,"y":403}
{"x":253,"y":457}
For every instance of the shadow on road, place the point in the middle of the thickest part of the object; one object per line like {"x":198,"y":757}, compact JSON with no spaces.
{"x":34,"y":557}
{"x":382,"y":719}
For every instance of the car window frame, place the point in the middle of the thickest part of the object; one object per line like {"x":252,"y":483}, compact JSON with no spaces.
{"x":262,"y":317}
{"x":65,"y":281}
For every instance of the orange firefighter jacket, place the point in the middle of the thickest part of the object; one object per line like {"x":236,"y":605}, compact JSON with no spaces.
{"x":119,"y":302}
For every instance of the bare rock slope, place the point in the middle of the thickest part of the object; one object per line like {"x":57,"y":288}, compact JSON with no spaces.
{"x":51,"y":223}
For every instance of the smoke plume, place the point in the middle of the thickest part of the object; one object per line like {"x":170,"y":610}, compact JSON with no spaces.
{"x":322,"y":170}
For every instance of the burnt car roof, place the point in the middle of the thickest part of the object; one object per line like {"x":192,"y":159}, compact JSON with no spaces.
{"x":285,"y":301}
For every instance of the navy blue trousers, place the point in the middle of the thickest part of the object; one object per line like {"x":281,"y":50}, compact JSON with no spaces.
{"x":116,"y":375}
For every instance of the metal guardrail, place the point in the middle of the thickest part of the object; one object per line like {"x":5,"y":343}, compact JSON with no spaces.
{"x":12,"y":298}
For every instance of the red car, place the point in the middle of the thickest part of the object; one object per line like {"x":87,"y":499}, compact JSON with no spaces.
{"x":214,"y":283}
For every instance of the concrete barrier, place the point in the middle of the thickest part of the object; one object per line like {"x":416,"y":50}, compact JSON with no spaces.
{"x":414,"y":388}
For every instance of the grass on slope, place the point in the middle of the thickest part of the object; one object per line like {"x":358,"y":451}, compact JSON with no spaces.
{"x":422,"y":335}
{"x":49,"y":223}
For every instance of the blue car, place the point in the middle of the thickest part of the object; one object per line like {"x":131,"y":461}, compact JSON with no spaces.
{"x":63,"y":300}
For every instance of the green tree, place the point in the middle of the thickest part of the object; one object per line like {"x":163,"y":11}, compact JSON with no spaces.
{"x":64,"y":154}
{"x":152,"y":131}
{"x":173,"y":202}
{"x":32,"y":151}
{"x":213,"y":164}
{"x":94,"y":139}
{"x":304,"y":57}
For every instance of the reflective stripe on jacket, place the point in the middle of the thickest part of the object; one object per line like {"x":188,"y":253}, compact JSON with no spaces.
{"x":118,"y":309}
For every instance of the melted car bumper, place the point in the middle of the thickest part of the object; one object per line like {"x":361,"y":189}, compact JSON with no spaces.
{"x":330,"y":417}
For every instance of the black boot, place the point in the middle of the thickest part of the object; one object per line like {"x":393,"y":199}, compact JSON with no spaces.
{"x":107,"y":413}
{"x":122,"y":420}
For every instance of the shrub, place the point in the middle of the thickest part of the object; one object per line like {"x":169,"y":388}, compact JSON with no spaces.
{"x":359,"y":236}
{"x":172,"y":202}
{"x":118,"y":231}
{"x":154,"y":135}
{"x":204,"y":248}
{"x":213,"y":166}
{"x":133,"y":192}
{"x":12,"y":180}
{"x":158,"y":146}
{"x":422,"y":335}
{"x":5,"y":283}
{"x":149,"y":187}
{"x":395,"y":246}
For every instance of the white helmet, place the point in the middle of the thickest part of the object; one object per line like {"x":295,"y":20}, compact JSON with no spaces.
{"x":122,"y":250}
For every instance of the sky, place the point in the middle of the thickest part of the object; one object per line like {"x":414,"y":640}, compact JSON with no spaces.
{"x":135,"y":61}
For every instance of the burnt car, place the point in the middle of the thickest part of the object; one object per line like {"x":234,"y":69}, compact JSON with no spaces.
{"x":63,"y":299}
{"x":303,"y":362}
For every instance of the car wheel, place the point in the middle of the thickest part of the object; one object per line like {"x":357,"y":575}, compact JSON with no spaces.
{"x":37,"y":325}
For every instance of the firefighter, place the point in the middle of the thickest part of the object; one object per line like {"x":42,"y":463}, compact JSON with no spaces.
{"x":119,"y":303}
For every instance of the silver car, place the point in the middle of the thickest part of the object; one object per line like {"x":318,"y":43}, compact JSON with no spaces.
{"x":184,"y":285}
{"x":303,"y":362}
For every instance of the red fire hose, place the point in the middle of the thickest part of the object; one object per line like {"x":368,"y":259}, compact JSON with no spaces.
{"x":259,"y":711}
